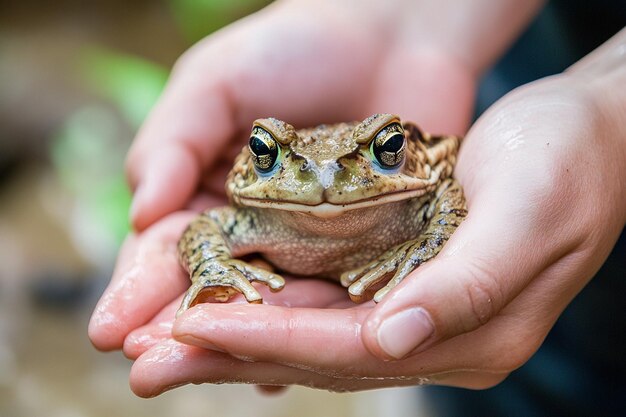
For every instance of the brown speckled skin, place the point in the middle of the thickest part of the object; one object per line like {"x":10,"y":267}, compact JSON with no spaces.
{"x":382,"y":220}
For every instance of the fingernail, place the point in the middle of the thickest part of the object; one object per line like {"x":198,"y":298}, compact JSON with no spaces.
{"x":404,"y":331}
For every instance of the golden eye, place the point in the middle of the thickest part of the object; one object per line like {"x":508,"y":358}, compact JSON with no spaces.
{"x":388,"y":146}
{"x":264,"y":149}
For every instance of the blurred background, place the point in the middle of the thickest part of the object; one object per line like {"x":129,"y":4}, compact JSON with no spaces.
{"x":76,"y":80}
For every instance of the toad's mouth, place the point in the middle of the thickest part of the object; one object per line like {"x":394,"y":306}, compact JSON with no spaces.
{"x":328,"y":209}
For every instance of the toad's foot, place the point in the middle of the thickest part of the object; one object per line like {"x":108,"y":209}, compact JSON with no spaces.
{"x":221,"y":279}
{"x":402,"y":259}
{"x":446,"y":214}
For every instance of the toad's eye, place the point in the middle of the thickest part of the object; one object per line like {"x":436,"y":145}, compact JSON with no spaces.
{"x":388,"y":146}
{"x":264,"y":149}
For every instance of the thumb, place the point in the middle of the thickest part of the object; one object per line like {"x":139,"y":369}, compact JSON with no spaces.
{"x":480,"y":270}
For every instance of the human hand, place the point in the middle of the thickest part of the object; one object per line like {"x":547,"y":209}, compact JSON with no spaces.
{"x":543,"y":174}
{"x":306,"y":63}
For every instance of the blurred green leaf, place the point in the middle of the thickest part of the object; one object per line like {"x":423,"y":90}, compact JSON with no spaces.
{"x":88,"y":154}
{"x":131,"y":83}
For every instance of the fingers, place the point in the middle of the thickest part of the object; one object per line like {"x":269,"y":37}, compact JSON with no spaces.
{"x":326,"y":341}
{"x":156,"y":331}
{"x":171,"y":364}
{"x":297,"y":293}
{"x":163,"y":183}
{"x":183,"y":135}
{"x":320,"y":339}
{"x":247,"y":357}
{"x":147,"y":277}
{"x":487,"y":263}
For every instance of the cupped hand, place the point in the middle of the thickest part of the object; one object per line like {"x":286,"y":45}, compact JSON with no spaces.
{"x":306,"y":63}
{"x":309,"y":63}
{"x":543,"y":174}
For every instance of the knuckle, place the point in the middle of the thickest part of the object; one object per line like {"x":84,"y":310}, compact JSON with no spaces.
{"x":196,"y":59}
{"x":483,"y":294}
{"x":189,"y":59}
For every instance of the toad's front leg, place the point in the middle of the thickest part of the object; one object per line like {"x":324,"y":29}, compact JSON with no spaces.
{"x":205,"y":252}
{"x":444,"y":215}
